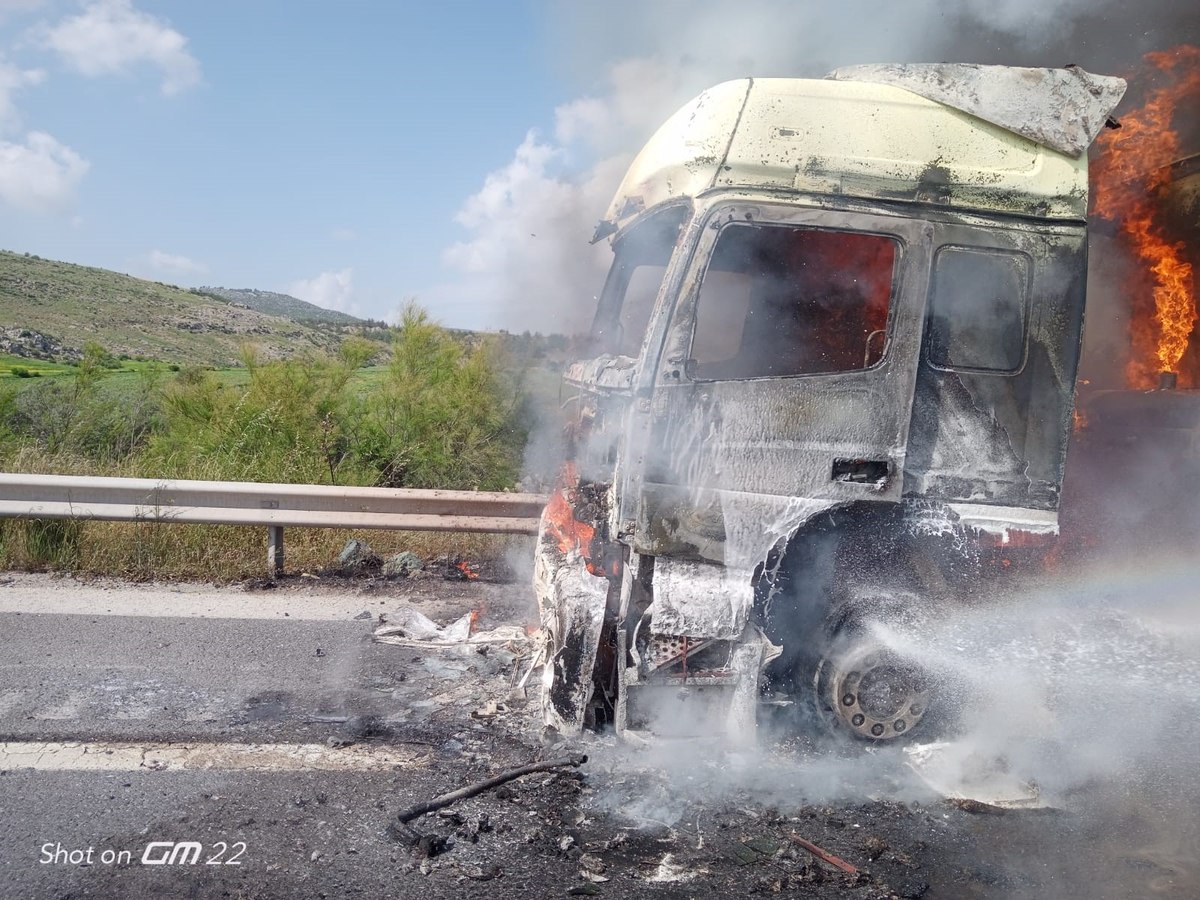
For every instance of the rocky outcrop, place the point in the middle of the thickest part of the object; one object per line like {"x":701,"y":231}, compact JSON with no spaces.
{"x":30,"y":344}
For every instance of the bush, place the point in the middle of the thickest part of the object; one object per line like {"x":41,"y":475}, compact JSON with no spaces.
{"x":22,"y":372}
{"x":444,"y":416}
{"x":285,"y":425}
{"x":80,"y":416}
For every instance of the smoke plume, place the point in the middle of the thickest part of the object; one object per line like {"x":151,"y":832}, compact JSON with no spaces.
{"x":525,"y":258}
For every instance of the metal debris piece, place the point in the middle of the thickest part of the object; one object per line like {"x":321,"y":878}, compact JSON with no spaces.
{"x":963,"y":775}
{"x":823,"y":855}
{"x":407,"y":815}
{"x":1059,"y":108}
{"x":409,"y":628}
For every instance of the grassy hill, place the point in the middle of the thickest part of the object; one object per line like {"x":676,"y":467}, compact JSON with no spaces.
{"x":284,"y":305}
{"x":51,"y":309}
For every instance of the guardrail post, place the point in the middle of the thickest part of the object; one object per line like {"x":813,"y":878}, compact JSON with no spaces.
{"x":274,"y":551}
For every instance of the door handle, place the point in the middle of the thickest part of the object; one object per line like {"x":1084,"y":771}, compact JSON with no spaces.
{"x":861,"y":471}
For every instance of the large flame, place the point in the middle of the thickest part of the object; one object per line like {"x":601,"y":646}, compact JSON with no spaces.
{"x":566,"y":530}
{"x":1130,"y":171}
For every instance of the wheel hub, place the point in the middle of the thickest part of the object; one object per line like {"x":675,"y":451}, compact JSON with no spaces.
{"x":874,"y":693}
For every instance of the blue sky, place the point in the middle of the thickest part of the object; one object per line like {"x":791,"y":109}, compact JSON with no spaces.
{"x":460,"y":152}
{"x":301,"y":138}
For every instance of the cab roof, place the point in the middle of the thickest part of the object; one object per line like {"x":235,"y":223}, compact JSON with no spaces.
{"x":855,"y":135}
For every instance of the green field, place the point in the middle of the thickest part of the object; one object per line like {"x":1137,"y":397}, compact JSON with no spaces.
{"x":36,"y":368}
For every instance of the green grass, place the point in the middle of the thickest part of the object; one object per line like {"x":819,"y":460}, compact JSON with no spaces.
{"x":144,"y":551}
{"x":125,"y":379}
{"x":42,"y":369}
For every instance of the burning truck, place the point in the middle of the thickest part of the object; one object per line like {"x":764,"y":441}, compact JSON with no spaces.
{"x":831,"y":382}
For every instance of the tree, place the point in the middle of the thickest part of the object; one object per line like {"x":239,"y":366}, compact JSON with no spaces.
{"x":444,"y":416}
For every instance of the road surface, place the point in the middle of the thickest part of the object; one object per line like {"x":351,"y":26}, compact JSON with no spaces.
{"x":199,"y":741}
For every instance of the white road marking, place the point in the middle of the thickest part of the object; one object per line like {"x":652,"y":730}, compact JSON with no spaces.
{"x":120,"y":756}
{"x":44,"y":595}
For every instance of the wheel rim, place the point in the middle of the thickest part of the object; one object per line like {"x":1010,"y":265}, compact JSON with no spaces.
{"x":874,"y":693}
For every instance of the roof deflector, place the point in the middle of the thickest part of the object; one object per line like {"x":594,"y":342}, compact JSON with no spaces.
{"x":1063,"y":109}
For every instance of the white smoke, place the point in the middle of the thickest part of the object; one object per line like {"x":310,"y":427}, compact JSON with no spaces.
{"x":526,"y":261}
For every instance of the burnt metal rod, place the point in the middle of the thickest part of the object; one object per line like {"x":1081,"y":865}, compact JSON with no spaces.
{"x":823,"y":855}
{"x":407,"y":815}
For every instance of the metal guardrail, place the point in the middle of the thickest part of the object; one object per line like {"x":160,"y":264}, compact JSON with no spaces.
{"x":274,"y":505}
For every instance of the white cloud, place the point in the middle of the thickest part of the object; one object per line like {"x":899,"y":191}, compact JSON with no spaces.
{"x":12,"y":79}
{"x":344,"y":234}
{"x":40,"y":174}
{"x":329,"y":290}
{"x":174,"y":264}
{"x":111,"y":36}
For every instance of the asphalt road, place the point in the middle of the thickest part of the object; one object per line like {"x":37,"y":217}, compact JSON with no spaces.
{"x":256,"y":687}
{"x":267,"y":742}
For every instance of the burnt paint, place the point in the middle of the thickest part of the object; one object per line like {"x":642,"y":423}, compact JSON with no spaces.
{"x":568,"y":662}
{"x":679,"y":438}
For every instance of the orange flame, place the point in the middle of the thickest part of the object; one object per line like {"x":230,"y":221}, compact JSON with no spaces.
{"x":1129,"y":173}
{"x":467,"y":571}
{"x":566,"y":530}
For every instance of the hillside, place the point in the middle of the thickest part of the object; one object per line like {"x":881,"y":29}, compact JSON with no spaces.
{"x":51,"y":309}
{"x":284,"y":305}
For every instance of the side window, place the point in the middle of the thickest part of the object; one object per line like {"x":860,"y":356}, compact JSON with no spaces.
{"x":977,"y":310}
{"x":779,"y":300}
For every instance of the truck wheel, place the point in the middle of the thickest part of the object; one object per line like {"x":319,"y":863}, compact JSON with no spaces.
{"x":870,"y":691}
{"x":862,"y":686}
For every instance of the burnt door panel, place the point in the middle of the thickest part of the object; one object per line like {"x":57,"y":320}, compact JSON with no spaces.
{"x":786,"y":378}
{"x":994,"y":393}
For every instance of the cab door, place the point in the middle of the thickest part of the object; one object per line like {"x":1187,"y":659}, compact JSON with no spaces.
{"x":785,"y":380}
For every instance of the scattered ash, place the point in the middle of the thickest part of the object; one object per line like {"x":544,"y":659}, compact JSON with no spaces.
{"x":667,"y":819}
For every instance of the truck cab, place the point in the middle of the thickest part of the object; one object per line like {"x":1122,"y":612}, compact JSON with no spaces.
{"x":832,"y":378}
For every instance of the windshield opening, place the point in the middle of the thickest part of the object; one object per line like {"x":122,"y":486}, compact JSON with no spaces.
{"x":639,"y":265}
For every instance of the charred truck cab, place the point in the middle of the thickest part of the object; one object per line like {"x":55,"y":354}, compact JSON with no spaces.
{"x":832,"y":385}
